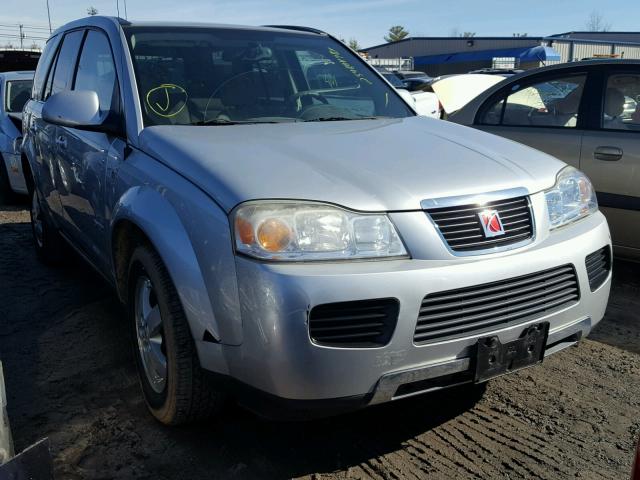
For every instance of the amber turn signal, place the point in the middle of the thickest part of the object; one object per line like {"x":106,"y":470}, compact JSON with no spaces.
{"x":244,"y":231}
{"x":274,"y":235}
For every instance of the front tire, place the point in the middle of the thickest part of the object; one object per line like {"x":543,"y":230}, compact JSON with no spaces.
{"x":47,"y":241}
{"x":173,"y":383}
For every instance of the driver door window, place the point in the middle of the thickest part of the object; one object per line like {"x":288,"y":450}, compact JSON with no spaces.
{"x":551,"y":103}
{"x":543,"y":115}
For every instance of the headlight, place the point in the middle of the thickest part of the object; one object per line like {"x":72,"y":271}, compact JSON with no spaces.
{"x":306,"y":231}
{"x":571,"y":198}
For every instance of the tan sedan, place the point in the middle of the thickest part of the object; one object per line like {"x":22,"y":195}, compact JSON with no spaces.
{"x":585,"y":113}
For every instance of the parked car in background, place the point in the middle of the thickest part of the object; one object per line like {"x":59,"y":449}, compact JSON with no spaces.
{"x":425,"y":103}
{"x":294,"y":236}
{"x":635,"y":468}
{"x":408,"y":74}
{"x":15,"y":90}
{"x":455,"y":91}
{"x":416,"y":84}
{"x":578,"y":112}
{"x":18,"y":60}
{"x":503,"y":72}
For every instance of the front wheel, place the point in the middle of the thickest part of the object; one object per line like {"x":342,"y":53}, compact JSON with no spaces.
{"x":173,"y":383}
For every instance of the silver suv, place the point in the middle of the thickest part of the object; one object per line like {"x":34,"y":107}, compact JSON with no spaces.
{"x":283,"y":228}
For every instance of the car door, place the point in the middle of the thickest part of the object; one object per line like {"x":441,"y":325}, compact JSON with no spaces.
{"x":86,"y":153}
{"x":58,"y":80}
{"x":41,"y":134}
{"x":611,"y":155}
{"x":544,"y":112}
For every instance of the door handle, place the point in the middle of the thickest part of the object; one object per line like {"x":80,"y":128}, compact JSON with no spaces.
{"x":608,"y":154}
{"x":61,"y":141}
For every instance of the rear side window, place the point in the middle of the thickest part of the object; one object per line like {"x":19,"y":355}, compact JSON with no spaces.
{"x":17,"y":95}
{"x":96,"y":69}
{"x":65,"y":65}
{"x":550,"y":103}
{"x":622,"y":103}
{"x":43,"y":67}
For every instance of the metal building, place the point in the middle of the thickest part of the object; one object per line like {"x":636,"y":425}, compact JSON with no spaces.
{"x":445,"y":55}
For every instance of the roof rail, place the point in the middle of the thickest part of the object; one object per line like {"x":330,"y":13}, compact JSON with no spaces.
{"x":297,"y":28}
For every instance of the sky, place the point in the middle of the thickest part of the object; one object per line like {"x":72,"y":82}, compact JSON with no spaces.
{"x":365,"y":20}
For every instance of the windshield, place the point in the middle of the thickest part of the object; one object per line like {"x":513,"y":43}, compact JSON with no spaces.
{"x":218,"y":76}
{"x":18,"y":92}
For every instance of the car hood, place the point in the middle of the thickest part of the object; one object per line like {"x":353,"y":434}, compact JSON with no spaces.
{"x":456,"y":91}
{"x":368,"y":165}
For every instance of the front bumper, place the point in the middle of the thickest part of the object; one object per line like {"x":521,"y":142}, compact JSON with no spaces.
{"x":278,"y":357}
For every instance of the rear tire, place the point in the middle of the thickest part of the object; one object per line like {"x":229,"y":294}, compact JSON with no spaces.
{"x":174,"y":385}
{"x":7,"y":196}
{"x":47,"y":241}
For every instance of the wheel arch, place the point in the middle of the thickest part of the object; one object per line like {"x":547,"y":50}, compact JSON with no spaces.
{"x":144,"y":216}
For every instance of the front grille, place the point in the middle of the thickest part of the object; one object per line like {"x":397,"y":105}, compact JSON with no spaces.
{"x":598,"y":267}
{"x":472,"y":310}
{"x":362,"y":323}
{"x":461,"y":228}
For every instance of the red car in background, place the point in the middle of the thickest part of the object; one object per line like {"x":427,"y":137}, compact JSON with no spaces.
{"x":635,"y":469}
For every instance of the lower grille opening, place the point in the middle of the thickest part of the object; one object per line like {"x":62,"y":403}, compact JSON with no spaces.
{"x":598,"y":267}
{"x":482,"y":308}
{"x":360,"y":324}
{"x":433,"y":384}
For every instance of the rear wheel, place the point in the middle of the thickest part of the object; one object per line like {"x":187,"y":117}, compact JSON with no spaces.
{"x":47,"y":241}
{"x":174,"y":385}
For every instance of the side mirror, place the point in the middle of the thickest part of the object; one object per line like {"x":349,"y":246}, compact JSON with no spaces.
{"x":76,"y":109}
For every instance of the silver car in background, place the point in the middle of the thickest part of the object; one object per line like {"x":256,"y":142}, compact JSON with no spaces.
{"x":15,"y":90}
{"x":284,"y":229}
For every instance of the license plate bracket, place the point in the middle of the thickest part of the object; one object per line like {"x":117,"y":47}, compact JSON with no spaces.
{"x":494,"y":359}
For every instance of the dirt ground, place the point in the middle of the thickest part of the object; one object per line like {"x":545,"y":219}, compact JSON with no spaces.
{"x":70,"y":377}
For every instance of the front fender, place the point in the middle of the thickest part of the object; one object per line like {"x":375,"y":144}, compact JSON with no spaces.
{"x":151,"y":211}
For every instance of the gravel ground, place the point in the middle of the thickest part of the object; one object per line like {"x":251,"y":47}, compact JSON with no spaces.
{"x":70,"y":376}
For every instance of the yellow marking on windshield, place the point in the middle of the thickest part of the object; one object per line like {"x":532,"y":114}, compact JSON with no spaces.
{"x":165,"y":100}
{"x":342,"y":61}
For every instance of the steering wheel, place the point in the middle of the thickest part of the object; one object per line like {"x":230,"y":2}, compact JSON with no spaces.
{"x":295,"y":99}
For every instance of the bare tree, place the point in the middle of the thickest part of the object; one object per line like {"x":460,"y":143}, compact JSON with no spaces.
{"x":35,"y":46}
{"x":597,"y":23}
{"x":92,"y":11}
{"x":396,"y":33}
{"x":353,"y":43}
{"x":455,"y":32}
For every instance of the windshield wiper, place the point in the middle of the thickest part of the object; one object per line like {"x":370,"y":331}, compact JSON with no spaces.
{"x":341,"y":119}
{"x":217,"y":121}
